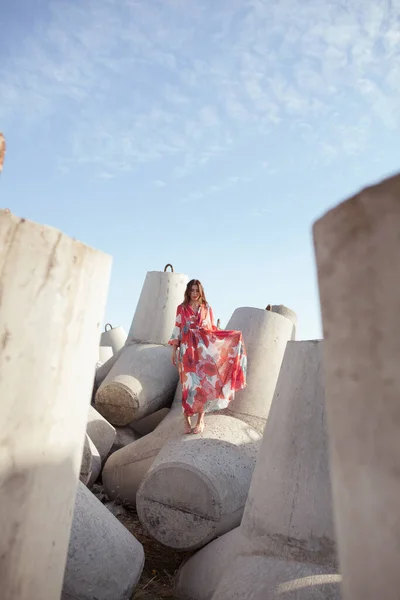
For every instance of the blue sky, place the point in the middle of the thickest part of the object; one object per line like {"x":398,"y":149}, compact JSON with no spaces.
{"x":209,"y":135}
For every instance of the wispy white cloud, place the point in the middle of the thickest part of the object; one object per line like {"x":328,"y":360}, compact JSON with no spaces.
{"x":215,"y":188}
{"x":136,"y":82}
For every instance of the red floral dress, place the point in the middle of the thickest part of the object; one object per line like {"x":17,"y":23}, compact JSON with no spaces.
{"x":212,"y":363}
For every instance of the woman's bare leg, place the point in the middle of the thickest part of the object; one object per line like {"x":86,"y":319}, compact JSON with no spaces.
{"x":199,"y":427}
{"x":188,"y":426}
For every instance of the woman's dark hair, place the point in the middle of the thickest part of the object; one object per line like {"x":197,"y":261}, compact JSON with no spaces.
{"x":189,"y":289}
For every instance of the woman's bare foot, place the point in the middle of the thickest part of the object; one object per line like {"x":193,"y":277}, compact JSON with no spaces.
{"x":188,"y":427}
{"x":199,"y":428}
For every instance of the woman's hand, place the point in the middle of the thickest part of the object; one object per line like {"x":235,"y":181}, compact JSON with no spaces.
{"x":174,"y":356}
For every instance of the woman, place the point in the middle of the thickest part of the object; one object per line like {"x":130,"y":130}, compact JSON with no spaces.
{"x":212,"y":363}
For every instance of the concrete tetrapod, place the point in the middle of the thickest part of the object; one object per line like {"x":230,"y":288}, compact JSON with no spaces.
{"x":154,"y":318}
{"x":104,"y":369}
{"x":53,"y":289}
{"x":358,"y":256}
{"x":283,"y":310}
{"x":149,"y":423}
{"x":114,"y":337}
{"x":91,"y":463}
{"x":101,"y":432}
{"x":105,"y":353}
{"x":265,"y":335}
{"x":142,"y":381}
{"x":288,"y":515}
{"x":125,"y":436}
{"x":104,"y":561}
{"x":197,"y":487}
{"x":267,"y":577}
{"x":125,"y":469}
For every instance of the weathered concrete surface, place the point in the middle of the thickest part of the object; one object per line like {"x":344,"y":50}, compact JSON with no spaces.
{"x":358,"y":256}
{"x":154,"y":318}
{"x":103,"y":371}
{"x":101,"y":432}
{"x":114,"y":337}
{"x":267,"y":577}
{"x":125,"y":469}
{"x":124,"y":437}
{"x":46,"y":375}
{"x":142,"y":381}
{"x":288,"y":510}
{"x":148,"y":424}
{"x":197,"y":487}
{"x":283,"y":310}
{"x":86,"y":463}
{"x":104,"y":561}
{"x":105,"y":353}
{"x":265,"y":335}
{"x":96,"y":465}
{"x":289,"y":507}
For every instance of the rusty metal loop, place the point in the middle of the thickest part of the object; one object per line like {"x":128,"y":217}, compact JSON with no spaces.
{"x":169,"y":265}
{"x":108,"y":325}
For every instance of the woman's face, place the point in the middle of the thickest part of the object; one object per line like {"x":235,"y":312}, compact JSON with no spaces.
{"x":194,"y":293}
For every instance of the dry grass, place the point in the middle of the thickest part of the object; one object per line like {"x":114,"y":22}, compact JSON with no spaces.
{"x":161,"y":563}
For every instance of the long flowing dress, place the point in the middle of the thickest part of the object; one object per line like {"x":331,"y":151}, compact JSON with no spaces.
{"x":212,"y":363}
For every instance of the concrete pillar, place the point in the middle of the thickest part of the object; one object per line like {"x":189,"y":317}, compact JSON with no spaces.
{"x":104,"y":560}
{"x":289,"y":314}
{"x":357,"y":248}
{"x":265,"y":336}
{"x":289,"y":508}
{"x":115,"y":337}
{"x":154,"y":318}
{"x":142,"y":381}
{"x":53,"y":295}
{"x":288,"y":515}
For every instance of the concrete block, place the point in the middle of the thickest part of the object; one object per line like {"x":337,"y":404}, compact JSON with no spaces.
{"x":124,"y":437}
{"x":125,"y":469}
{"x":148,"y":424}
{"x":104,"y":369}
{"x":53,"y":295}
{"x":113,"y":337}
{"x":86,"y":464}
{"x":105,"y":561}
{"x":358,"y":256}
{"x":142,"y":381}
{"x":197,"y":487}
{"x":267,"y":577}
{"x":289,"y":314}
{"x":101,"y":432}
{"x":105,"y":353}
{"x":154,"y":318}
{"x":265,"y":335}
{"x":91,"y":463}
{"x":289,"y":507}
{"x":288,"y":512}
